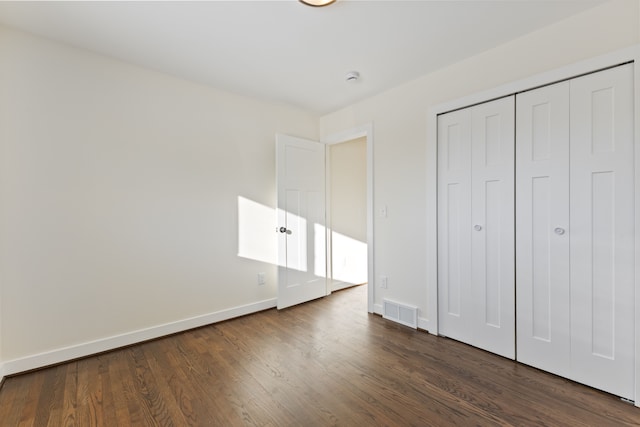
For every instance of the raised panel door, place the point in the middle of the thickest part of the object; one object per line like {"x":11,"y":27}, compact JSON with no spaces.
{"x":602,"y":230}
{"x":454,"y":217}
{"x":492,"y":244}
{"x":542,"y":225}
{"x":475,"y":226}
{"x":301,"y":217}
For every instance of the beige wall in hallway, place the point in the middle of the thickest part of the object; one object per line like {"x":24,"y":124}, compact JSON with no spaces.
{"x":348,"y":191}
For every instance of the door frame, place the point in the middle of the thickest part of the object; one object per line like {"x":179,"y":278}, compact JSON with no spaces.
{"x":365,"y":131}
{"x":631,"y":54}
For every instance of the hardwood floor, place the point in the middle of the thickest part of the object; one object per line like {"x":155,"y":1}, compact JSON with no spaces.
{"x":323,"y":363}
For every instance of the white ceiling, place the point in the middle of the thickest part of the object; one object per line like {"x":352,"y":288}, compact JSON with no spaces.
{"x":285,"y":51}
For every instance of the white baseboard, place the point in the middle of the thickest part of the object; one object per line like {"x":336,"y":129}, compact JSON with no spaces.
{"x":426,"y":325}
{"x":2,"y":372}
{"x":377,"y":309}
{"x":65,"y":354}
{"x":338,"y":286}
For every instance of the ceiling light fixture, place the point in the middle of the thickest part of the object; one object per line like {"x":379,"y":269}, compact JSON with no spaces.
{"x":317,"y":3}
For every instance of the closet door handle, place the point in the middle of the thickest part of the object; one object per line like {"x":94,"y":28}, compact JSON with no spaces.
{"x":559,"y":231}
{"x":477,"y":227}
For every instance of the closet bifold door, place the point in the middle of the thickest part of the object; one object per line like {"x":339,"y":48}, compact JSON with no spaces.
{"x":602,"y":230}
{"x":454,"y":225}
{"x":476,"y":226}
{"x":575,"y":229}
{"x":542,"y":225}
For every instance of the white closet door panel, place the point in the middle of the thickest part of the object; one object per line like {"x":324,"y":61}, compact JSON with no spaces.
{"x":454,"y":217}
{"x":542,"y":222}
{"x":602,"y":229}
{"x":492,"y":243}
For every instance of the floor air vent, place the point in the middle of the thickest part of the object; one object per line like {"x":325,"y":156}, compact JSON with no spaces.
{"x":401,"y":313}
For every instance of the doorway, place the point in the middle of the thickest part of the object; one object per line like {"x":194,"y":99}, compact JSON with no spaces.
{"x":350,"y":154}
{"x":347,"y":213}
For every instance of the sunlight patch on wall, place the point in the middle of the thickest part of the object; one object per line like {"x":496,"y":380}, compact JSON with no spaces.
{"x":256,"y":234}
{"x":258,"y":240}
{"x":349,"y":260}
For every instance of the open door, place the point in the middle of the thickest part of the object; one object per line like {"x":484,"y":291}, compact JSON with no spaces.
{"x":300,"y":177}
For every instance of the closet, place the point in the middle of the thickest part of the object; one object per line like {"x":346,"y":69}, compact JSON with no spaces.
{"x":568,"y":289}
{"x":476,"y":226}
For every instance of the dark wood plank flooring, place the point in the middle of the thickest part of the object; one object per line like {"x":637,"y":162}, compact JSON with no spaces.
{"x":323,"y":363}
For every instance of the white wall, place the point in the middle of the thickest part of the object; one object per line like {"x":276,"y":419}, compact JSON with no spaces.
{"x":400,"y":122}
{"x":119,"y":186}
{"x":119,"y":203}
{"x":348,"y":210}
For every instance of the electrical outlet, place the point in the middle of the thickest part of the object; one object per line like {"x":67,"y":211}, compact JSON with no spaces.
{"x":383,"y":282}
{"x":261,"y":279}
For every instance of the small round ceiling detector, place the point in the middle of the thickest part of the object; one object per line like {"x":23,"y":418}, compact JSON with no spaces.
{"x":352,"y":76}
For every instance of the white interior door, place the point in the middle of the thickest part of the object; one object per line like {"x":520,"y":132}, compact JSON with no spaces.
{"x":542,"y":228}
{"x":602,"y":230}
{"x":454,"y":220}
{"x":300,"y":166}
{"x":492,"y":244}
{"x":575,"y":228}
{"x":476,"y":226}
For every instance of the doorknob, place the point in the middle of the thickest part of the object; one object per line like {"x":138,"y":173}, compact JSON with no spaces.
{"x":284,"y":230}
{"x":477,"y":227}
{"x":559,"y":231}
